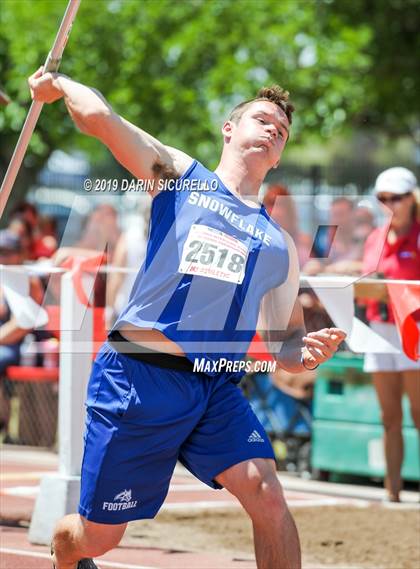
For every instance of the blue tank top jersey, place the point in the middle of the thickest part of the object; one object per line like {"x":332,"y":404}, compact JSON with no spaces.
{"x":210,"y":259}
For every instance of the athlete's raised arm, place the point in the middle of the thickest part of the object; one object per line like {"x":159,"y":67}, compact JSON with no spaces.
{"x":284,"y":326}
{"x":139,"y":152}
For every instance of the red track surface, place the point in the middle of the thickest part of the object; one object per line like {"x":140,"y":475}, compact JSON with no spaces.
{"x":16,"y":552}
{"x":21,"y":471}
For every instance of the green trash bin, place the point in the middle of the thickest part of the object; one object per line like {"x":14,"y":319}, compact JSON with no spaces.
{"x":347,"y":429}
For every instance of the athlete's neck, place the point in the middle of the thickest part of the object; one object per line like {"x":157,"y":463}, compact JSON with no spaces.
{"x":240,"y":179}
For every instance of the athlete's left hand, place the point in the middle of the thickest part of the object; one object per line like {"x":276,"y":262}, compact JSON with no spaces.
{"x":321,"y":345}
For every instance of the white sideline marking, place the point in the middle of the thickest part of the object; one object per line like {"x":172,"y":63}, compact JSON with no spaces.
{"x":34,"y":490}
{"x":115,"y":564}
{"x":172,"y":487}
{"x":341,"y":490}
{"x":189,"y":488}
{"x":5,"y":477}
{"x":24,"y":491}
{"x":191,"y":506}
{"x":328,"y":502}
{"x":199,"y":505}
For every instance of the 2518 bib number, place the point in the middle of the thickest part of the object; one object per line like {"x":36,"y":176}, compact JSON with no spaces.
{"x":212,"y":253}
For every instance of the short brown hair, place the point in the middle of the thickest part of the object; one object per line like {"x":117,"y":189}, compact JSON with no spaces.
{"x":275,"y":94}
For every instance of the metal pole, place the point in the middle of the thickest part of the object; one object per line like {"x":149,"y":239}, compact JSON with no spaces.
{"x":51,"y":64}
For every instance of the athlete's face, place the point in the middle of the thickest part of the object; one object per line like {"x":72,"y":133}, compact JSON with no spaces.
{"x":261,"y":132}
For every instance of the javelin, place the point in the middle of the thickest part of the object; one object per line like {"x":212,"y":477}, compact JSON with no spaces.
{"x":52,"y":63}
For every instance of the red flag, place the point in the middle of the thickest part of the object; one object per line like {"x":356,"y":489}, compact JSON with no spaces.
{"x":80,"y":265}
{"x":405,"y":300}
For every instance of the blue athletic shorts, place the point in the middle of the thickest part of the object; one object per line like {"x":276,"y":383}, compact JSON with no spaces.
{"x":141,"y":419}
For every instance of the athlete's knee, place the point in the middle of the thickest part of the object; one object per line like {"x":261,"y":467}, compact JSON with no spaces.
{"x":66,"y":531}
{"x":64,"y":542}
{"x":265,"y":494}
{"x":97,"y":539}
{"x":75,"y":538}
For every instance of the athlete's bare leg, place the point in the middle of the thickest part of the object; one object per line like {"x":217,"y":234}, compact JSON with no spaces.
{"x":389,"y":388}
{"x":411,"y":380}
{"x":76,"y":538}
{"x":255,"y":484}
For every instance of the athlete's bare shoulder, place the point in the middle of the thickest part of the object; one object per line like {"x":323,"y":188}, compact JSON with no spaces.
{"x":180,"y":160}
{"x":171,"y":165}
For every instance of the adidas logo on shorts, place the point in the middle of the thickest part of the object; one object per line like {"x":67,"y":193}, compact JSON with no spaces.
{"x":124,"y":502}
{"x":255,"y":437}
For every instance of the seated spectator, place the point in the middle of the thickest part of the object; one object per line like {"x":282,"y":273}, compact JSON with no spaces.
{"x":11,"y":334}
{"x":29,"y":213}
{"x":38,"y":234}
{"x":21,"y":227}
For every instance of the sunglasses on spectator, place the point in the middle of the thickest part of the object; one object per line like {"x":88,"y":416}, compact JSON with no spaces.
{"x":393,"y":199}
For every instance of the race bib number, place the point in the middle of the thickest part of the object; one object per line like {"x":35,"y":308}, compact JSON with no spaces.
{"x":211,"y":253}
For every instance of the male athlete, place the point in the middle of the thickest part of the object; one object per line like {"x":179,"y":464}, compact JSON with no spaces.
{"x":215,"y":259}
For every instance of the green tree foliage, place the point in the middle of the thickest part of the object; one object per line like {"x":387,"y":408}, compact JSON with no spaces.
{"x":392,"y":85}
{"x":176,"y":67}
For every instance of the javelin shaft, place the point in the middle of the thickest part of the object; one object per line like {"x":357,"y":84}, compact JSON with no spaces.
{"x":51,"y":64}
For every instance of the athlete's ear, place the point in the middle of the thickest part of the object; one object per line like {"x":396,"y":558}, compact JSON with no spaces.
{"x":227,"y":129}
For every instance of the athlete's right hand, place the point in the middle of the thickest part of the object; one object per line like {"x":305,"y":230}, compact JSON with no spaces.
{"x":44,"y":87}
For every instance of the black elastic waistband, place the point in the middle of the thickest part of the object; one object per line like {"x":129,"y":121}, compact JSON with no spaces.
{"x":143,"y":354}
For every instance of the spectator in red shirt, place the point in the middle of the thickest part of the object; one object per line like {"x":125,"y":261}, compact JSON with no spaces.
{"x":46,"y":243}
{"x":394,"y":374}
{"x":38,"y":234}
{"x":29,"y":214}
{"x":11,"y":334}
